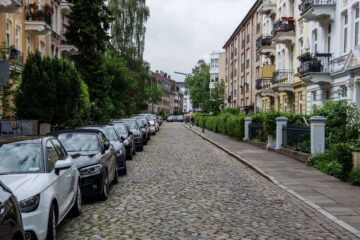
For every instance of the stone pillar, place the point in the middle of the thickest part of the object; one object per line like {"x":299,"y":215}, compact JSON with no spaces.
{"x":247,"y":122}
{"x":356,"y":158}
{"x":317,"y":134}
{"x":281,"y":122}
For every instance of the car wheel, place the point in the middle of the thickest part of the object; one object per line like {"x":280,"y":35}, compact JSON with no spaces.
{"x":134,"y":151}
{"x":51,"y":232}
{"x":105,"y":188}
{"x":116,"y":177}
{"x":77,"y":208}
{"x":123,"y":171}
{"x":130,"y":155}
{"x":141,"y":148}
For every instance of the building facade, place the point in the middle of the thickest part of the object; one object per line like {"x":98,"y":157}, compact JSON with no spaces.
{"x":242,"y":63}
{"x":26,"y":28}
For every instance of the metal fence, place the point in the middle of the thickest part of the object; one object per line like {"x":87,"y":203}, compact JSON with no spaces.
{"x":257,"y":132}
{"x":296,"y":138}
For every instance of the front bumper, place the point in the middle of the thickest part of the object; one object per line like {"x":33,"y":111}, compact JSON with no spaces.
{"x":138,"y":142}
{"x":120,"y":161}
{"x":36,"y":222}
{"x":152,"y":129}
{"x":91,"y":185}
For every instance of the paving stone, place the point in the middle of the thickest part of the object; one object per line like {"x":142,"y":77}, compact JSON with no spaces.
{"x":182,"y":187}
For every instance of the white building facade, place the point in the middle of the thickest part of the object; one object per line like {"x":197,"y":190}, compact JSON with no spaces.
{"x":332,"y":69}
{"x":214,"y":69}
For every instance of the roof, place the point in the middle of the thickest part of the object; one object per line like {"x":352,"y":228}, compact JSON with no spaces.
{"x":25,"y":139}
{"x":252,"y":10}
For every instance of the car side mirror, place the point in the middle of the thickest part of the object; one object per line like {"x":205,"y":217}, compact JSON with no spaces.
{"x":131,"y":133}
{"x":106,"y":146}
{"x":62,"y":165}
{"x":122,"y":138}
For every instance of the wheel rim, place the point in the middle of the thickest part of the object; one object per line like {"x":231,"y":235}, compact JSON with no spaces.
{"x":79,"y":200}
{"x":53,"y":224}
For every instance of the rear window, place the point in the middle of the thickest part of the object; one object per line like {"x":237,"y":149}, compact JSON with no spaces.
{"x":20,"y":158}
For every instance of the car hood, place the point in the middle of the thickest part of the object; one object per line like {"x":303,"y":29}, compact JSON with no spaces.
{"x":26,"y":185}
{"x":84,"y":159}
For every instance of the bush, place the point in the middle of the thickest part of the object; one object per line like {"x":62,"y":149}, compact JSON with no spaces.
{"x":354,"y":177}
{"x":335,"y":161}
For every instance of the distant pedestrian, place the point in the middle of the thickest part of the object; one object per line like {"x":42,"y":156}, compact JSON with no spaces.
{"x":192,"y":120}
{"x":186,"y":120}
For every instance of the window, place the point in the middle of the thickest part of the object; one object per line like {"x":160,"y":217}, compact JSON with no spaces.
{"x":314,"y":41}
{"x":345,"y":32}
{"x":247,"y":58}
{"x":8,"y":33}
{"x":329,"y":39}
{"x":300,"y":96}
{"x":59,"y":149}
{"x":17,"y":38}
{"x":247,"y":102}
{"x":356,"y":30}
{"x":285,"y":102}
{"x":28,"y":43}
{"x":313,"y":96}
{"x":343,"y":91}
{"x":51,"y":155}
{"x":42,"y":48}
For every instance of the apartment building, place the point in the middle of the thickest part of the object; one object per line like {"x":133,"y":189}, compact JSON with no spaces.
{"x":242,"y":62}
{"x":331,"y":62}
{"x":25,"y":28}
{"x":283,"y":40}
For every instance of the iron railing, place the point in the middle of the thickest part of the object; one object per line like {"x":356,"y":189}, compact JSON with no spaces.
{"x":14,"y":56}
{"x":257,"y":132}
{"x":263,"y":83}
{"x":38,"y":15}
{"x":305,"y":5}
{"x":284,"y":24}
{"x":296,"y":138}
{"x":283,"y":76}
{"x":319,"y":62}
{"x":263,"y":41}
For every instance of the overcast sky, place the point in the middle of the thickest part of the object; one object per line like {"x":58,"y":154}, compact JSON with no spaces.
{"x":180,"y":32}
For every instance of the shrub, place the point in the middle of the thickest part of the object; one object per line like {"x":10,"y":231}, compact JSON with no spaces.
{"x":335,"y":161}
{"x":354,"y":176}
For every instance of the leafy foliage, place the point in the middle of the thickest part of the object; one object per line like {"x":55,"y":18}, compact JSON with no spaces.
{"x":217,"y":97}
{"x":61,"y":95}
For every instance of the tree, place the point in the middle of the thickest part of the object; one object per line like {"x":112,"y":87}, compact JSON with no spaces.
{"x":128,"y":28}
{"x":52,"y":91}
{"x":154,"y":96}
{"x":217,"y":97}
{"x":89,"y":22}
{"x":198,"y":85}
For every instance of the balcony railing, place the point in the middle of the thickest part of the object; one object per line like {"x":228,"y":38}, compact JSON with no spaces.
{"x":263,"y":41}
{"x":33,"y":13}
{"x":285,"y":24}
{"x":283,"y":76}
{"x":14,"y":56}
{"x":318,"y":63}
{"x":263,"y":83}
{"x":307,"y":4}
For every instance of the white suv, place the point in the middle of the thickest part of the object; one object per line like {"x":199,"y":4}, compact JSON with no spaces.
{"x":44,"y":180}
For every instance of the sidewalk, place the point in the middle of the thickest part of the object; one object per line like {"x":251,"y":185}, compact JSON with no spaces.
{"x":336,"y":200}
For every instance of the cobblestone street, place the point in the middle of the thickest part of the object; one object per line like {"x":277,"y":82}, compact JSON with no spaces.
{"x":182,"y":187}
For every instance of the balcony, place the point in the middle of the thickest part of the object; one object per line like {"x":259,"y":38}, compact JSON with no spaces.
{"x":38,"y":21}
{"x":263,"y":84}
{"x":65,"y":7}
{"x":315,"y":68}
{"x":10,"y":6}
{"x":318,"y":10}
{"x":282,"y":80}
{"x":264,"y":45}
{"x":14,"y":58}
{"x":284,"y":31}
{"x":268,"y":7}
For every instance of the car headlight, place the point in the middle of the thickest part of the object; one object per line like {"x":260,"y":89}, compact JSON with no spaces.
{"x":96,"y":169}
{"x":30,"y":204}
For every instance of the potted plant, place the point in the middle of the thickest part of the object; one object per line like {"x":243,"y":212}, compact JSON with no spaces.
{"x":48,"y":10}
{"x":305,"y":57}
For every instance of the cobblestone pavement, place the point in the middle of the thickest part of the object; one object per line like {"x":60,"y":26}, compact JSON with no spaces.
{"x":182,"y":187}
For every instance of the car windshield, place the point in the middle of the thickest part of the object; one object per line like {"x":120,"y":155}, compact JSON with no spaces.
{"x":131,"y":124}
{"x":140,"y":123}
{"x":20,"y":158}
{"x":110,"y":134}
{"x":79,"y":142}
{"x":121,"y":128}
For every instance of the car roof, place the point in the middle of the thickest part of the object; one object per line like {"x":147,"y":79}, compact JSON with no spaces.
{"x":23,"y":139}
{"x":78,"y":130}
{"x":97,"y":126}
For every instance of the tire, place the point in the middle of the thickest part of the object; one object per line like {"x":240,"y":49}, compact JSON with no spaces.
{"x":52,"y":223}
{"x":134,"y":150}
{"x":130,"y":156}
{"x":123,"y":172}
{"x":116,"y":178}
{"x":77,"y":208}
{"x":104,"y":194}
{"x":141,"y":148}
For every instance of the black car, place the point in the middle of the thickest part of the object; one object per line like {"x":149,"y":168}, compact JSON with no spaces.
{"x":94,"y":157}
{"x":143,"y":130}
{"x":117,"y":142}
{"x":146,"y":125}
{"x":135,"y":130}
{"x":11,"y":226}
{"x":124,"y":131}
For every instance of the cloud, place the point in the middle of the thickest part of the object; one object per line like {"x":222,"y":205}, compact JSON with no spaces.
{"x":180,"y":32}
